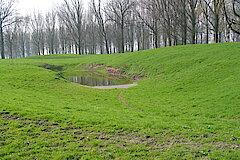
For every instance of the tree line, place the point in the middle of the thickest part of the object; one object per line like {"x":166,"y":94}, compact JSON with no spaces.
{"x":116,"y":26}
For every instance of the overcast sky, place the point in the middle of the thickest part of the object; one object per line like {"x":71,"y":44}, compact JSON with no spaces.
{"x":27,"y":6}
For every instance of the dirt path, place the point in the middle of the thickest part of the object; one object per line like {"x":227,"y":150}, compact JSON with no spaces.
{"x":120,"y":97}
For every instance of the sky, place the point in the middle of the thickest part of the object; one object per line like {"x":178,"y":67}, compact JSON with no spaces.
{"x":27,"y":6}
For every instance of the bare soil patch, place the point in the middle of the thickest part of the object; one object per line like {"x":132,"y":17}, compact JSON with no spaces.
{"x":114,"y":72}
{"x":72,"y":135}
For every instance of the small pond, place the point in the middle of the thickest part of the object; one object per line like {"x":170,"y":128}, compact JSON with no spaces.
{"x":89,"y":81}
{"x":101,"y":83}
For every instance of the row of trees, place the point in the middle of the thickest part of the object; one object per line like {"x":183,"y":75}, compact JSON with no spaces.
{"x":117,"y":26}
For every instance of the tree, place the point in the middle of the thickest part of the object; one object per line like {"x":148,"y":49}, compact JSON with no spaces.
{"x":10,"y":36}
{"x":111,"y":26}
{"x":215,"y":8}
{"x":63,"y":38}
{"x":71,"y":14}
{"x":232,"y":14}
{"x":6,"y":19}
{"x":205,"y":11}
{"x":24,"y":36}
{"x":117,"y":11}
{"x":193,"y":17}
{"x":149,"y":15}
{"x":166,"y":12}
{"x":38,"y":33}
{"x":97,"y":10}
{"x":91,"y":35}
{"x":51,"y":31}
{"x":130,"y":33}
{"x":183,"y":20}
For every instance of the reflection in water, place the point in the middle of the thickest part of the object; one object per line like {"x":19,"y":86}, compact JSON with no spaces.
{"x":88,"y":81}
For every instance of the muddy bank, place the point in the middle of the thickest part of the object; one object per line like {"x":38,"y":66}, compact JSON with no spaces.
{"x":97,"y":69}
{"x":114,"y":71}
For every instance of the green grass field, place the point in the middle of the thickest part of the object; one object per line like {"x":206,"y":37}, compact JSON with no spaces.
{"x":186,"y":107}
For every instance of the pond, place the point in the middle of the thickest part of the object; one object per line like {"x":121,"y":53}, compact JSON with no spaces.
{"x":89,"y":81}
{"x":100,"y":83}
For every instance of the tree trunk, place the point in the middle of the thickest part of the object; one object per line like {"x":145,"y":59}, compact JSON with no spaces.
{"x":105,"y":39}
{"x":52,"y":44}
{"x":194,"y":30}
{"x":38,"y":48}
{"x":122,"y":38}
{"x":207,"y":31}
{"x":106,"y":43}
{"x":216,"y":28}
{"x":169,"y":39}
{"x":184,"y":22}
{"x":155,"y":40}
{"x":2,"y":42}
{"x":184,"y":34}
{"x":23,"y":46}
{"x":11,"y":50}
{"x":79,"y":39}
{"x":43,"y":49}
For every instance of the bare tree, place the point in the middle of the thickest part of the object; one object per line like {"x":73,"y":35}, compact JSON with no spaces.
{"x":117,"y":11}
{"x":10,"y":37}
{"x":98,"y":13}
{"x":38,"y":31}
{"x":183,"y":20}
{"x":166,"y":18}
{"x":130,"y":31}
{"x":193,"y":17}
{"x":71,"y":14}
{"x":215,"y":8}
{"x":51,"y":31}
{"x":232,"y":14}
{"x":91,"y":35}
{"x":63,"y":38}
{"x":111,"y":26}
{"x":205,"y":11}
{"x":149,"y":15}
{"x":23,"y":35}
{"x":6,"y":19}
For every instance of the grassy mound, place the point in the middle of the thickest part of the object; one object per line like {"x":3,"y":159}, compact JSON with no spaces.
{"x":186,"y":107}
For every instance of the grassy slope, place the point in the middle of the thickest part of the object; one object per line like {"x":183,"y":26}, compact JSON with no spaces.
{"x":190,"y":103}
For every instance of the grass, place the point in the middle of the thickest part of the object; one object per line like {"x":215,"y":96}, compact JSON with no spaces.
{"x":190,"y":103}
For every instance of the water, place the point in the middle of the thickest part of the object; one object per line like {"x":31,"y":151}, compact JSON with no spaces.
{"x":89,"y":81}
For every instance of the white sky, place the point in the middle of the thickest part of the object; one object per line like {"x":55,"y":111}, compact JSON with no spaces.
{"x":27,"y":6}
